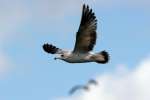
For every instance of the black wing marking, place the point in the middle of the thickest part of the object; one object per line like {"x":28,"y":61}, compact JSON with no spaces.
{"x":86,"y":35}
{"x":92,"y":81}
{"x":75,"y":88}
{"x":49,"y":48}
{"x":85,"y":87}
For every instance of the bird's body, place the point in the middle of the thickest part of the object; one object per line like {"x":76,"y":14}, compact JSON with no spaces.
{"x":78,"y":58}
{"x":85,"y":41}
{"x":85,"y":87}
{"x":82,"y":57}
{"x":78,"y":87}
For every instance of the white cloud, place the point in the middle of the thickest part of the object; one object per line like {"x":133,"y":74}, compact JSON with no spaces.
{"x":13,"y":15}
{"x":5,"y":65}
{"x":16,"y":13}
{"x":133,"y":85}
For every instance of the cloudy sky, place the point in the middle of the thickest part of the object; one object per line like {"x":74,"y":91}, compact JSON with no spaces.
{"x":28,"y":73}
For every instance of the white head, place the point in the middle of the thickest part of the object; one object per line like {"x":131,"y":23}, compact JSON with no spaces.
{"x":63,"y":55}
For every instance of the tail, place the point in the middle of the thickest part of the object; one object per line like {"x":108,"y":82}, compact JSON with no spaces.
{"x":102,"y":57}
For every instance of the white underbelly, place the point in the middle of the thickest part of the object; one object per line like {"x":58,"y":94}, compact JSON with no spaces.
{"x":78,"y":58}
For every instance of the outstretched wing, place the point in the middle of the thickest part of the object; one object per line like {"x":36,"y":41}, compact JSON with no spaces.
{"x":92,"y":81}
{"x":86,"y":35}
{"x":75,"y":88}
{"x":49,"y":48}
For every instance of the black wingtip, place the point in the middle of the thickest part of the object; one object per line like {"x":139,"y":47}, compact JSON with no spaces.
{"x":84,"y":5}
{"x":106,"y":57}
{"x":49,"y":48}
{"x":87,"y":15}
{"x":92,"y":81}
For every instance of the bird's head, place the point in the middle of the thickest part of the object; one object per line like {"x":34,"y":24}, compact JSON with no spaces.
{"x":62,"y":56}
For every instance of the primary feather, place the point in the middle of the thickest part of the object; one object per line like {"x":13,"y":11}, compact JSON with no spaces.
{"x":86,"y":35}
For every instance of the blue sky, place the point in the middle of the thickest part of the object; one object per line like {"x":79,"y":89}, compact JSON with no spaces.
{"x":28,"y":73}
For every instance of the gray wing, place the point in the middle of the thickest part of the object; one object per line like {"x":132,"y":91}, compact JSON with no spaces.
{"x":86,"y":35}
{"x":92,"y":81}
{"x":49,"y":48}
{"x":75,"y":88}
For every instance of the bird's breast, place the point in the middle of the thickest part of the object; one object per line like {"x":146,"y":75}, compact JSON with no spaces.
{"x":78,"y":58}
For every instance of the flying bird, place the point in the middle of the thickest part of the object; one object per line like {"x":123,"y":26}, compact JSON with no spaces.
{"x":78,"y":87}
{"x":92,"y":81}
{"x":85,"y":42}
{"x":85,"y":87}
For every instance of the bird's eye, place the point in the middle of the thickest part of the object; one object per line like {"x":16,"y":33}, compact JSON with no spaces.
{"x":62,"y":55}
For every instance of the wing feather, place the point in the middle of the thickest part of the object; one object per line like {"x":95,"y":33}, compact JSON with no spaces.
{"x":75,"y":88}
{"x":92,"y":81}
{"x":49,"y":48}
{"x":86,"y":35}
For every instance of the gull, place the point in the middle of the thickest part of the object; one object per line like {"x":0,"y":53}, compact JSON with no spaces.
{"x":92,"y":81}
{"x":85,"y":87}
{"x":85,"y":42}
{"x":77,"y":87}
